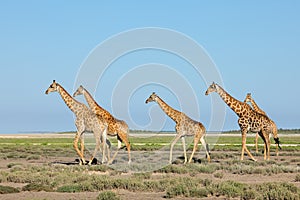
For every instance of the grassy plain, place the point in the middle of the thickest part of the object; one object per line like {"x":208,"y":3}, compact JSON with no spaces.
{"x":45,"y":168}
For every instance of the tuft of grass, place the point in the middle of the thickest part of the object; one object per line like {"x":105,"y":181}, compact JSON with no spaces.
{"x":108,"y":195}
{"x":142,"y":176}
{"x":69,"y":188}
{"x":8,"y":190}
{"x":219,"y":175}
{"x":33,"y":157}
{"x":173,"y":169}
{"x":297,"y":178}
{"x":11,"y":165}
{"x":280,"y":191}
{"x":230,"y":189}
{"x":37,"y":187}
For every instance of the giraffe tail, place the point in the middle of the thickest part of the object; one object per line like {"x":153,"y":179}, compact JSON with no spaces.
{"x":277,"y":142}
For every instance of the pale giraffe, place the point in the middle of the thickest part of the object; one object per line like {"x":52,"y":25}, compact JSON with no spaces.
{"x":115,"y":127}
{"x":273,"y":125}
{"x":185,"y":126}
{"x":86,"y":120}
{"x":249,"y":120}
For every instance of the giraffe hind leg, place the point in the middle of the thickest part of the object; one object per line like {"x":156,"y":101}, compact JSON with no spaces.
{"x":122,"y":137}
{"x":244,"y":147}
{"x":205,"y":145}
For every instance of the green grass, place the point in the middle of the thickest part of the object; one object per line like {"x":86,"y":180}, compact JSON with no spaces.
{"x":8,"y":190}
{"x":188,"y":182}
{"x":174,"y":180}
{"x":151,"y":143}
{"x":108,"y":195}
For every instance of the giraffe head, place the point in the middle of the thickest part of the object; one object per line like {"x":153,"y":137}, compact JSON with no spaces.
{"x":52,"y":87}
{"x":211,"y":88}
{"x":152,"y":97}
{"x":79,"y":91}
{"x":248,"y":98}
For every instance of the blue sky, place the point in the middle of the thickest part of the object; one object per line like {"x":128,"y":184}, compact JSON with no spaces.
{"x":254,"y":45}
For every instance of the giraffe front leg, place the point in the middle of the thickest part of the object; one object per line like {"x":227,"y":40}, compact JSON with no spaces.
{"x":82,"y":146}
{"x":75,"y":145}
{"x":172,"y":146}
{"x":104,"y":138}
{"x":244,"y":147}
{"x":184,"y":150}
{"x":256,"y":142}
{"x":268,"y":144}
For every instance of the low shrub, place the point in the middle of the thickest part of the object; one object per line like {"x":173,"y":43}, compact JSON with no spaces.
{"x":108,"y":195}
{"x":37,"y":187}
{"x":278,"y":191}
{"x":219,"y":175}
{"x":297,"y":178}
{"x":8,"y":190}
{"x":70,"y":188}
{"x":10,"y":165}
{"x":230,"y":189}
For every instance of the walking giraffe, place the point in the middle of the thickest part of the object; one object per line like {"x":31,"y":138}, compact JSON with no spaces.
{"x":273,"y":125}
{"x":115,"y":127}
{"x":185,"y":126}
{"x":86,"y":120}
{"x":248,"y":120}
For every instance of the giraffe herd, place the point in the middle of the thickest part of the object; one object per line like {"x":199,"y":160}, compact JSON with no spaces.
{"x":94,"y":118}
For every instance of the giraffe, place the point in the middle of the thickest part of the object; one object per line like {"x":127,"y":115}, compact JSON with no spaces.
{"x":273,"y":125}
{"x":185,"y":126}
{"x":115,"y":127}
{"x":86,"y":120}
{"x":249,"y":120}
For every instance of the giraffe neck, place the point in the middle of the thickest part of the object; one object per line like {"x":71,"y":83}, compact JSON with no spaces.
{"x":68,"y":99}
{"x":237,"y":106}
{"x":172,"y":113}
{"x":94,"y":106}
{"x":257,"y":108}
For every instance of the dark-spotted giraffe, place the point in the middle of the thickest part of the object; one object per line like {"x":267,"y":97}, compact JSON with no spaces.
{"x":249,"y":120}
{"x":273,"y":125}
